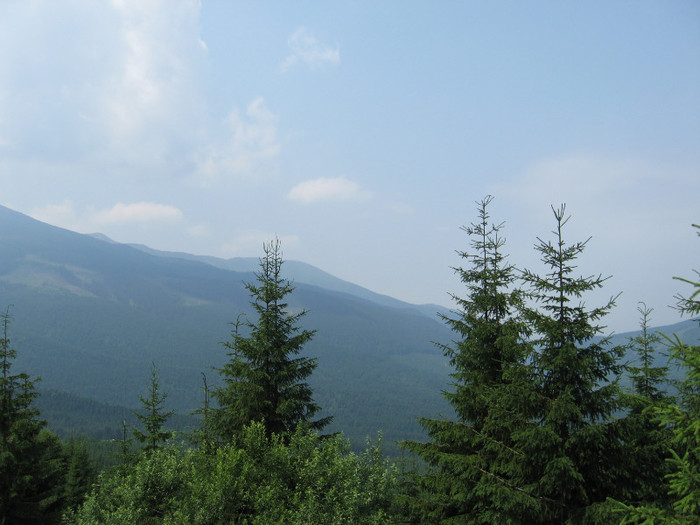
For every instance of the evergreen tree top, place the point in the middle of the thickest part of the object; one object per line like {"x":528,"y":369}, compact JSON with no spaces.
{"x":153,"y":417}
{"x":562,"y":321}
{"x":265,"y":379}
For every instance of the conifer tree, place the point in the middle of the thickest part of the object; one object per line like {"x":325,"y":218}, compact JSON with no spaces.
{"x":203,"y":436}
{"x":125,"y":455}
{"x":153,"y":417}
{"x":31,"y":470}
{"x":475,"y":469}
{"x":265,"y":378}
{"x":683,"y":420}
{"x":646,"y":377}
{"x":48,"y":478}
{"x":647,"y":443}
{"x":572,"y":445}
{"x":80,"y":472}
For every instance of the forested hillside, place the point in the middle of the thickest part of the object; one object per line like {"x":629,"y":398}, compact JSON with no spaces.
{"x":95,"y":315}
{"x":530,"y":412}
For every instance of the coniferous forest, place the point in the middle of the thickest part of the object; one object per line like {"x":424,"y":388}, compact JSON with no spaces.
{"x":550,"y":425}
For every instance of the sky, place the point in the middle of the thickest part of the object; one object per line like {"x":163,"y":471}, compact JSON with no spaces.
{"x":362,"y":134}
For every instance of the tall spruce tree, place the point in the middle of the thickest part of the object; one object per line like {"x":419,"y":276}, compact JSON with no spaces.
{"x":647,"y":442}
{"x":647,"y":377}
{"x":573,"y":443}
{"x":474,"y":469}
{"x":682,"y":418}
{"x":153,"y":417}
{"x":81,"y":472}
{"x":31,"y":462}
{"x":265,"y":378}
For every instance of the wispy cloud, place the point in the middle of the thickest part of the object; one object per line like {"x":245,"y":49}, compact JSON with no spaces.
{"x":323,"y":189}
{"x":101,"y":82}
{"x":153,"y":76}
{"x":246,"y":142}
{"x":90,"y":220}
{"x":306,"y":50}
{"x":138,"y":212}
{"x":62,"y":215}
{"x":198,"y":230}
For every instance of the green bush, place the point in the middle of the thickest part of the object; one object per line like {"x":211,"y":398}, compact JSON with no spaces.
{"x":310,"y":480}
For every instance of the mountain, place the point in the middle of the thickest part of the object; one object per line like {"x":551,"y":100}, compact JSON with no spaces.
{"x":90,"y":316}
{"x":299,"y":272}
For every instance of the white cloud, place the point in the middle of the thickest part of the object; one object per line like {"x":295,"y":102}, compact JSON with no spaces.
{"x":139,"y":212}
{"x":198,"y":230}
{"x":339,"y":189}
{"x":100,"y":81}
{"x":62,"y":215}
{"x":153,"y":224}
{"x":305,"y":49}
{"x":246,"y":143}
{"x":153,"y":78}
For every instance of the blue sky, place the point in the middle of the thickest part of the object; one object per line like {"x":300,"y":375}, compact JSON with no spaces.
{"x":362,"y":133}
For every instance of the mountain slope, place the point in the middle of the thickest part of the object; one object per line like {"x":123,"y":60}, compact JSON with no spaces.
{"x":299,"y":272}
{"x":90,"y":316}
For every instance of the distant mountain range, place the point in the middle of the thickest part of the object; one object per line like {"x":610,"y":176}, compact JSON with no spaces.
{"x":91,"y":315}
{"x":297,"y":272}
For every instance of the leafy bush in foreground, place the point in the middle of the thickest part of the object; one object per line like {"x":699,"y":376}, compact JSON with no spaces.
{"x":310,"y":480}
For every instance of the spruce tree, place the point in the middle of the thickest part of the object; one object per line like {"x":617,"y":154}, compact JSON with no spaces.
{"x":153,"y":417}
{"x":265,"y":378}
{"x":126,"y":457}
{"x":31,"y":463}
{"x":647,"y":443}
{"x":647,"y":378}
{"x":573,"y":445}
{"x":474,"y":475}
{"x":682,"y":418}
{"x":203,"y":436}
{"x":81,"y":472}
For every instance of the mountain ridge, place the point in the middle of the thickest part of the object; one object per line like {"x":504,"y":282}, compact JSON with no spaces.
{"x":298,"y":272}
{"x":91,"y":316}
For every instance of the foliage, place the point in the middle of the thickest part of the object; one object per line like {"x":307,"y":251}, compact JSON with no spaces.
{"x":575,"y":455}
{"x":647,"y":378}
{"x":153,"y":417}
{"x":535,"y":440}
{"x":81,"y":472}
{"x":264,"y":379}
{"x":376,"y":365}
{"x":683,"y":419}
{"x":260,"y":480}
{"x":31,"y":460}
{"x":204,"y":435}
{"x":684,"y":462}
{"x":647,"y":442}
{"x":474,"y":467}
